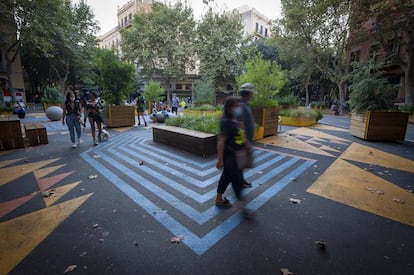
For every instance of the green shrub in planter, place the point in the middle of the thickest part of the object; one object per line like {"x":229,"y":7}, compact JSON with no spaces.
{"x":204,"y":123}
{"x":299,"y":113}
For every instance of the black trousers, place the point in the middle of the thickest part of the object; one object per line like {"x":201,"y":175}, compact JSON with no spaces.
{"x":231,"y":174}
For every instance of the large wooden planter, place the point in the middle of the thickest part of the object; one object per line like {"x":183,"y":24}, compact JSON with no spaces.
{"x":376,"y":125}
{"x":11,"y":135}
{"x":199,"y":143}
{"x":119,"y":116}
{"x":268,"y":118}
{"x":49,"y":104}
{"x":299,"y":122}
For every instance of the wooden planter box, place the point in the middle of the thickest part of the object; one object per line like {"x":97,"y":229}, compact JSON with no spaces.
{"x":268,"y":118}
{"x":199,"y":143}
{"x":376,"y":125}
{"x":119,"y":116}
{"x":11,"y":135}
{"x":49,"y":104}
{"x":300,"y":122}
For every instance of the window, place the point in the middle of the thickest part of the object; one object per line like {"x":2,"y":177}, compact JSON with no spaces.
{"x":261,"y":29}
{"x":188,"y":86}
{"x":178,"y":86}
{"x":257,"y":27}
{"x":265,"y":32}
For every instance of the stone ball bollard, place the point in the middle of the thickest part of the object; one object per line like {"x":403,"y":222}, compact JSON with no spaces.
{"x":54,"y":113}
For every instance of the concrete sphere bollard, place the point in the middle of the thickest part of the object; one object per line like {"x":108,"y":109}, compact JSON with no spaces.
{"x":54,"y":113}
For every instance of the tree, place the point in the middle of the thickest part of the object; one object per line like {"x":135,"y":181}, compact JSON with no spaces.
{"x":266,"y":76}
{"x":204,"y":91}
{"x":116,"y":77}
{"x":162,"y":43}
{"x":321,"y":30}
{"x":221,"y":47}
{"x":392,"y":20}
{"x":55,"y":36}
{"x":153,"y":91}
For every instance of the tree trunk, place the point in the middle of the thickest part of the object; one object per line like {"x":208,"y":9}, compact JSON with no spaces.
{"x":409,"y":79}
{"x":341,"y":97}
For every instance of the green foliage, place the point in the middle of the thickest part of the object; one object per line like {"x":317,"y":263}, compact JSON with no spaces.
{"x":208,"y":123}
{"x":52,"y":95}
{"x":204,"y":91}
{"x":301,"y":113}
{"x":370,"y":90}
{"x":267,"y":78}
{"x":317,"y":104}
{"x":207,"y":108}
{"x":407,"y":108}
{"x":220,"y":46}
{"x":289,"y":101}
{"x":153,"y":91}
{"x":162,"y":42}
{"x":6,"y":109}
{"x":115,"y":76}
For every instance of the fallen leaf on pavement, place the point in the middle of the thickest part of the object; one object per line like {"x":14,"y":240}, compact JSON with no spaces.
{"x":294,"y":200}
{"x":177,"y":239}
{"x":70,"y":268}
{"x":285,"y":271}
{"x":92,"y":177}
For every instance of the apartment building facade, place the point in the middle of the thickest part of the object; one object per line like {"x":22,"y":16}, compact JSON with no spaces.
{"x":389,"y":46}
{"x":11,"y":73}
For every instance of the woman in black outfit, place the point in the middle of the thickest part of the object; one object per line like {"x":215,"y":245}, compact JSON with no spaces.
{"x":230,"y":139}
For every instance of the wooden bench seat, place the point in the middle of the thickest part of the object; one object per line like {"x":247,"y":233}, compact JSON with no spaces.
{"x":200,"y":143}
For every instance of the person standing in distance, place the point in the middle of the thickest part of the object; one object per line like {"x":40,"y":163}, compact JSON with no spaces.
{"x":141,"y":108}
{"x":245,"y":114}
{"x":175,"y":104}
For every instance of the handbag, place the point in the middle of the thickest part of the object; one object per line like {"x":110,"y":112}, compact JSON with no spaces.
{"x":244,"y":158}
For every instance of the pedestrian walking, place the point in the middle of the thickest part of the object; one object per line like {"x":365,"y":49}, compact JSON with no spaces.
{"x":245,"y":114}
{"x":72,"y":113}
{"x":231,"y":140}
{"x":94,"y":109}
{"x":141,"y":109}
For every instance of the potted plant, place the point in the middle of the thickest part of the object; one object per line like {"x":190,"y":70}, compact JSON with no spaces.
{"x":6,"y":111}
{"x":374,"y":116}
{"x":268,"y":79}
{"x":299,"y":117}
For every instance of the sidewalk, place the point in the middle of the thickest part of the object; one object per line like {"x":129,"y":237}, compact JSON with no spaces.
{"x":131,"y":206}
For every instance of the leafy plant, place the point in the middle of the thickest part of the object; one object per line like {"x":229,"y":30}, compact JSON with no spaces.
{"x":52,"y":95}
{"x":407,"y":108}
{"x":299,"y":113}
{"x":6,"y":109}
{"x":153,"y":91}
{"x":267,"y":77}
{"x":370,"y":90}
{"x":208,"y":123}
{"x":288,"y":101}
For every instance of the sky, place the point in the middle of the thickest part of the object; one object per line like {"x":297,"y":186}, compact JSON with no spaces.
{"x":105,"y":10}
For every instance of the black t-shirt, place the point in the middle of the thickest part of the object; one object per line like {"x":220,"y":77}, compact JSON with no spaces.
{"x":235,"y":136}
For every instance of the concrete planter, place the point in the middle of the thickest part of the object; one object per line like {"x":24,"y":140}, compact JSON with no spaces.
{"x":377,"y":125}
{"x":300,"y":122}
{"x":199,"y":143}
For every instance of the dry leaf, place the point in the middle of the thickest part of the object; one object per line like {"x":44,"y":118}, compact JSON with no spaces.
{"x":177,"y":239}
{"x":70,"y":268}
{"x":285,"y":271}
{"x":92,"y":177}
{"x":321,"y":244}
{"x":294,"y":200}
